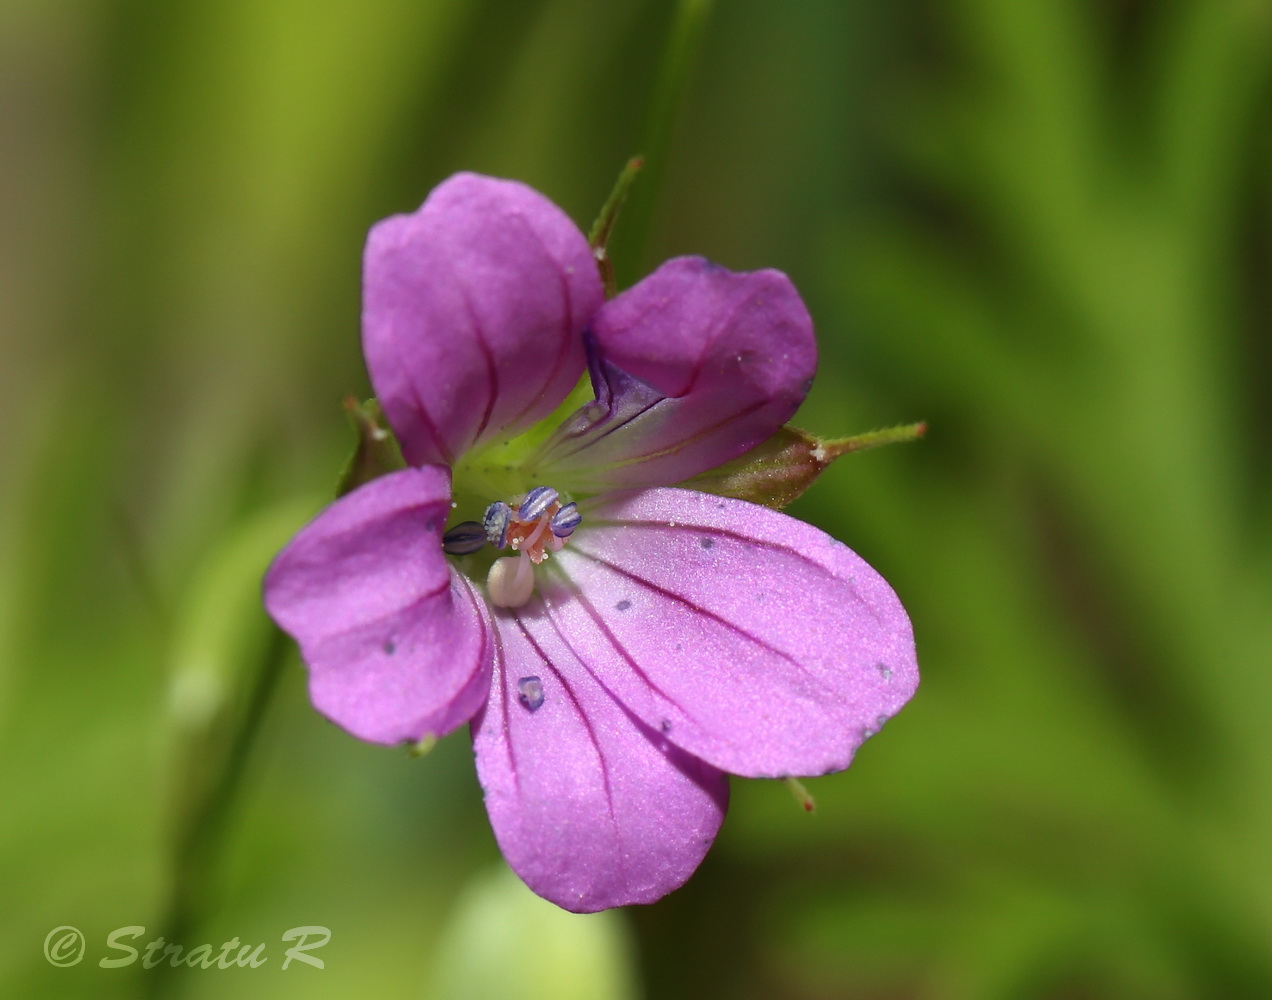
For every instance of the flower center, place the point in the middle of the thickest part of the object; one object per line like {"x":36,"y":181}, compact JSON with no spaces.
{"x":534,"y":526}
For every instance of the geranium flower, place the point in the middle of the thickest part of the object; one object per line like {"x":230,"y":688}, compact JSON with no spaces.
{"x":618,"y":644}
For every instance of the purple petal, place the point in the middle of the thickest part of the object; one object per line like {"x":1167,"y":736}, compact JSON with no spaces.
{"x":394,"y":641}
{"x":591,"y":808}
{"x":752,"y":640}
{"x":698,"y":364}
{"x":473,"y":309}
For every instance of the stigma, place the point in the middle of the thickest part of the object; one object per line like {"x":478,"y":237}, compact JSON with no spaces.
{"x":533,"y":526}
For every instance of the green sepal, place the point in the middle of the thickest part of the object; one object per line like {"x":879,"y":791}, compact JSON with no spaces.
{"x":802,"y":795}
{"x":783,"y":467}
{"x":422,"y":747}
{"x":599,"y":235}
{"x":377,"y":451}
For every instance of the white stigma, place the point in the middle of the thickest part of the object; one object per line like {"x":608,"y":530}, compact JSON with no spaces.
{"x":511,"y":581}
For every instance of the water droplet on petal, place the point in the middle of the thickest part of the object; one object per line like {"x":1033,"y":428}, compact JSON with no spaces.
{"x":530,"y":692}
{"x":706,"y":543}
{"x":665,"y":725}
{"x":623,"y":605}
{"x":885,"y":671}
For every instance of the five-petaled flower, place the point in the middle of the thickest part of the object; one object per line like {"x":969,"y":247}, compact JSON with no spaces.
{"x":618,"y":643}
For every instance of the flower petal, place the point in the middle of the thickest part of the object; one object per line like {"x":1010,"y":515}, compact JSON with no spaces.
{"x":394,"y":641}
{"x":752,"y":640}
{"x":590,"y":807}
{"x":697,"y":365}
{"x":473,"y":309}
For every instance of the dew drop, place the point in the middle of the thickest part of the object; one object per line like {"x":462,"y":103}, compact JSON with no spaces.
{"x":530,"y":692}
{"x":880,"y":721}
{"x":665,"y":725}
{"x":706,"y":543}
{"x":885,"y":671}
{"x":623,"y":605}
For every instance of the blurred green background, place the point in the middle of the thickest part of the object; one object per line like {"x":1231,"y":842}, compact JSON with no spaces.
{"x":1043,"y":225}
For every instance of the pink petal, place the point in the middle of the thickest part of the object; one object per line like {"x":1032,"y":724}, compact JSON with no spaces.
{"x":591,"y":808}
{"x":394,"y":641}
{"x":750,"y":639}
{"x":473,"y":309}
{"x":709,"y":364}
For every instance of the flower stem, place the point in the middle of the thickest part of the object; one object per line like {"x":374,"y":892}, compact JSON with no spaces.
{"x":687,"y":31}
{"x":202,"y":824}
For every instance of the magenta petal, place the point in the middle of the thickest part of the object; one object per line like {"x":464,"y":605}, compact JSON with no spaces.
{"x":394,"y":641}
{"x":473,"y":309}
{"x":753,"y":641}
{"x":725,"y":359}
{"x":591,"y":808}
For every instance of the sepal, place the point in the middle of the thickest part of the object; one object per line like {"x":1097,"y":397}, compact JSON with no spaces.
{"x":377,"y":452}
{"x":599,"y":235}
{"x":783,"y":467}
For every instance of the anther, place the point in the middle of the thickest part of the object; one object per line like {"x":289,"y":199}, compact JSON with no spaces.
{"x":464,"y":539}
{"x":565,"y":520}
{"x":537,"y":501}
{"x":495,"y":522}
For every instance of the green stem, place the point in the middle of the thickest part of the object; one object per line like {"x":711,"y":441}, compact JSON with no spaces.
{"x":201,"y":833}
{"x":687,"y":31}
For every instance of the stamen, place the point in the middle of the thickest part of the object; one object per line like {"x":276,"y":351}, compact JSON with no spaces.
{"x":464,"y":539}
{"x":525,"y":575}
{"x":495,"y":521}
{"x":528,"y":544}
{"x":565,"y":520}
{"x":536,"y":503}
{"x":535,"y":528}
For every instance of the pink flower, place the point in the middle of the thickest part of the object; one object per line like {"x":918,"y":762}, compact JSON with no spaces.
{"x":635,"y":642}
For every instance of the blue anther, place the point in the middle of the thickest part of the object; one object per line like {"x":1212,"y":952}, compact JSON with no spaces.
{"x":530,"y":692}
{"x":565,"y":520}
{"x":464,"y":539}
{"x":495,"y":522}
{"x":536,"y":502}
